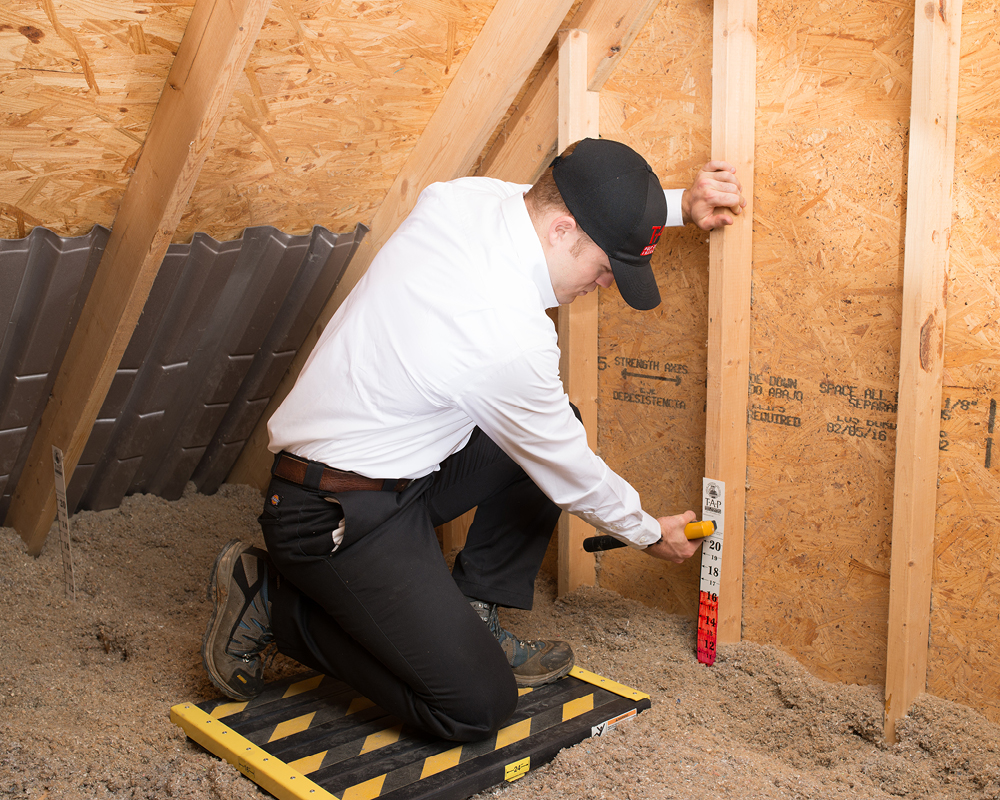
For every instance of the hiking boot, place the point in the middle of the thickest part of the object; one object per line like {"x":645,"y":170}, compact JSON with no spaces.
{"x":534,"y":663}
{"x":240,"y":626}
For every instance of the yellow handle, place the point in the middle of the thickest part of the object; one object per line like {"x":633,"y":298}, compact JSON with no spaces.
{"x":699,"y":530}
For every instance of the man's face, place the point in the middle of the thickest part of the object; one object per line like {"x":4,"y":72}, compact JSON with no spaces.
{"x":577,"y":267}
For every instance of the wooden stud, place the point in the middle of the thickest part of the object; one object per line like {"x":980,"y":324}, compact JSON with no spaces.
{"x":455,"y":532}
{"x":933,"y":122}
{"x":511,"y":42}
{"x":210,"y":59}
{"x":730,"y":261}
{"x":579,"y":111}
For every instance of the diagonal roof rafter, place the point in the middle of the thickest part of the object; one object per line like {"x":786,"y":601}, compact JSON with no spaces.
{"x":193,"y":101}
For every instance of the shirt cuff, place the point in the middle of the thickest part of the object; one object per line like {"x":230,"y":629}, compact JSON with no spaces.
{"x":675,"y":213}
{"x":646,"y":534}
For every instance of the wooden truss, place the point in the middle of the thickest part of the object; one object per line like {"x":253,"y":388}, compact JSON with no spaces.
{"x":559,"y":106}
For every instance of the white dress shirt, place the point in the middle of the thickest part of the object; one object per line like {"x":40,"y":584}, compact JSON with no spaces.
{"x":447,"y":330}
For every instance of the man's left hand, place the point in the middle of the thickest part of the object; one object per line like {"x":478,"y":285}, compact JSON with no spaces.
{"x":715,"y":197}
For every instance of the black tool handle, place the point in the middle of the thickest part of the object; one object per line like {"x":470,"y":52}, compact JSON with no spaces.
{"x":693,"y":530}
{"x":593,"y":544}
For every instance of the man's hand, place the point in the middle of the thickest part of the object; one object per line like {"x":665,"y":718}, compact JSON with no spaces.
{"x":674,"y":545}
{"x":714,"y":198}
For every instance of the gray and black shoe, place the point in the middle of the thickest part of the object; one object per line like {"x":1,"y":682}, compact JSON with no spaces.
{"x":534,"y":663}
{"x":240,"y":626}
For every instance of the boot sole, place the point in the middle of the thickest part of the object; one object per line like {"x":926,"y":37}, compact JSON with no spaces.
{"x":217,"y":593}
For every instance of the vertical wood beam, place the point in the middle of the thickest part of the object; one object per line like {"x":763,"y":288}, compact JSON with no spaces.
{"x":511,"y":42}
{"x":455,"y":532}
{"x":734,"y":66}
{"x":209,"y":61}
{"x":579,"y":113}
{"x":933,"y":121}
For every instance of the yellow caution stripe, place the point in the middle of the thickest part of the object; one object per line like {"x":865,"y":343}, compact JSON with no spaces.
{"x":303,"y":686}
{"x":368,"y":790}
{"x":574,"y":708}
{"x":268,"y":772}
{"x":513,"y":733}
{"x":290,"y":727}
{"x":227,"y":709}
{"x":381,"y":739}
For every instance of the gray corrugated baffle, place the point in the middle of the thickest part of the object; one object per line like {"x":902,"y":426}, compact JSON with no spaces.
{"x":44,"y":279}
{"x":221,"y":325}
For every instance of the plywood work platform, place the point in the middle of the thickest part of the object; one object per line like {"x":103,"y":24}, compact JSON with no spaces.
{"x":314,"y":737}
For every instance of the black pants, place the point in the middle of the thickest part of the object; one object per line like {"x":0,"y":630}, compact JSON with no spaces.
{"x":383,"y":614}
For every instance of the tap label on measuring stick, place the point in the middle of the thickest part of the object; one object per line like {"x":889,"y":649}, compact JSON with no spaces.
{"x":713,"y":507}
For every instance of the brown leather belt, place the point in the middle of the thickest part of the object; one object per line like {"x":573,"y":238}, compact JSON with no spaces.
{"x":314,"y":475}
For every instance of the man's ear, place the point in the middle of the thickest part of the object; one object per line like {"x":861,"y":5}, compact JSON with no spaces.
{"x":560,"y":227}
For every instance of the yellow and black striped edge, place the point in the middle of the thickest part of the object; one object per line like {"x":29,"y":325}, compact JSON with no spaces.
{"x":609,"y":685}
{"x":318,"y":739}
{"x":271,"y":774}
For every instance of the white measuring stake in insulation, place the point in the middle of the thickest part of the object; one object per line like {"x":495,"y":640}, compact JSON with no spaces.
{"x":62,"y":517}
{"x":713,"y":507}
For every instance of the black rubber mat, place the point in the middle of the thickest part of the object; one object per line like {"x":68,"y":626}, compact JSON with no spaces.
{"x":313,"y":737}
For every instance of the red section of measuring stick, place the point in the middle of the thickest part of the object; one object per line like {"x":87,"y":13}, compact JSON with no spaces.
{"x":708,"y":625}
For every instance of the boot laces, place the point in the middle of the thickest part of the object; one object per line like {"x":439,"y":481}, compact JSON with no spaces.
{"x":517,"y":650}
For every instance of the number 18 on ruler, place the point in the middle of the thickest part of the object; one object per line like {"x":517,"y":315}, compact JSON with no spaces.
{"x":713,"y":507}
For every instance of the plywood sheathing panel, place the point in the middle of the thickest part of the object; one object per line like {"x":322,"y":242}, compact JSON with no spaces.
{"x":79,"y":83}
{"x":652,"y":364}
{"x":964,"y":641}
{"x":833,"y":111}
{"x":333,"y":98}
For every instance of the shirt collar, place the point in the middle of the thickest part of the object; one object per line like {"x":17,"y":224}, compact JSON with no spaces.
{"x":530,"y":255}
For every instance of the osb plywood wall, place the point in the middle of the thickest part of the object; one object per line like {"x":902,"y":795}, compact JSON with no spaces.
{"x":827,"y":289}
{"x":965,"y":645}
{"x":333,"y":98}
{"x":652,"y":365}
{"x":833,"y":92}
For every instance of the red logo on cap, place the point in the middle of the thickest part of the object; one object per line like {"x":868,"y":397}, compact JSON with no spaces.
{"x":648,"y":249}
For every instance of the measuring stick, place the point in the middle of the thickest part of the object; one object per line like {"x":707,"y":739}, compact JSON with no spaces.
{"x":69,"y":577}
{"x":711,"y":529}
{"x":713,"y":507}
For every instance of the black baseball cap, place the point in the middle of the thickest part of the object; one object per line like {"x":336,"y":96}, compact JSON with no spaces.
{"x":616,"y":199}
